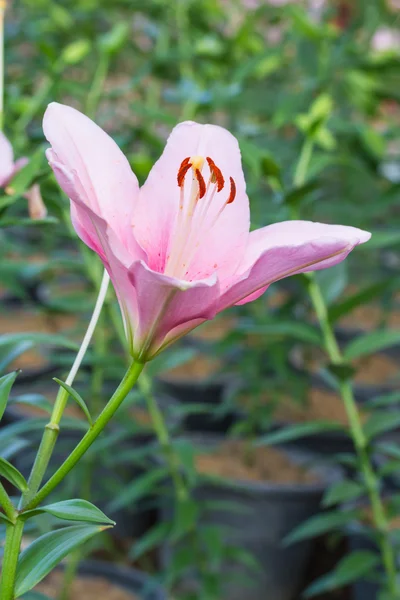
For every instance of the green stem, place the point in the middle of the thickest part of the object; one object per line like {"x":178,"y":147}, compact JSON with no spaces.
{"x":116,"y":400}
{"x":7,"y":505}
{"x":52,"y":429}
{"x":10,"y":560}
{"x":359,"y":438}
{"x":164,"y":439}
{"x":96,"y":89}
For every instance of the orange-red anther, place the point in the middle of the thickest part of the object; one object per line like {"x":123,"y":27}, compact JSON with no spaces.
{"x":232,"y":193}
{"x":183,"y":169}
{"x":202,"y":183}
{"x":216,"y":174}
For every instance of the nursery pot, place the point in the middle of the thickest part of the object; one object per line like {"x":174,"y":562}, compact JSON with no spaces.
{"x":256,"y":517}
{"x":105,"y":477}
{"x":132,"y":581}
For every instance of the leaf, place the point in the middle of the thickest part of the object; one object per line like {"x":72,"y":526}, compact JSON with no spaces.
{"x":372,"y":342}
{"x":291,"y":329}
{"x":350,"y":568}
{"x":294,"y":432}
{"x":361,"y":297}
{"x":24,"y":178}
{"x":295,"y":196}
{"x":382,"y":239}
{"x":7,"y":357}
{"x":380,"y":422}
{"x":333,"y":282}
{"x":151,"y":539}
{"x":4,"y":518}
{"x":342,"y":491}
{"x":320,"y":524}
{"x":78,"y":399}
{"x":138,"y":488}
{"x":185,"y":519}
{"x":12,"y":475}
{"x":72,"y":510}
{"x":38,"y":559}
{"x":35,"y":596}
{"x":385,"y":400}
{"x":39,"y":338}
{"x":6,"y":383}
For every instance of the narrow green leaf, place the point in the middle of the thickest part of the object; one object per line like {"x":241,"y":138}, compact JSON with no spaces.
{"x":6,"y":383}
{"x":35,"y":596}
{"x":363,"y":296}
{"x":39,"y":338}
{"x":380,"y":422}
{"x":47,"y":551}
{"x":12,"y":475}
{"x":72,"y":510}
{"x":382,"y":239}
{"x":25,"y":176}
{"x":294,"y":432}
{"x":288,"y":329}
{"x":78,"y":399}
{"x":351,"y":567}
{"x":372,"y":342}
{"x":138,"y":488}
{"x":4,"y":518}
{"x":384,"y":400}
{"x":342,"y":491}
{"x":320,"y":524}
{"x":151,"y":539}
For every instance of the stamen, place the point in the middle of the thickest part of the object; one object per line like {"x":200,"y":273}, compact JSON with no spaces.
{"x":183,"y":169}
{"x":202,"y":183}
{"x":216,"y":175}
{"x":232,"y":194}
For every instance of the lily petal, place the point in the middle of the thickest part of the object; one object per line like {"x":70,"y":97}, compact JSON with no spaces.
{"x":89,"y":165}
{"x":6,"y":160}
{"x":215,"y":240}
{"x":282,"y":249}
{"x":166,"y":308}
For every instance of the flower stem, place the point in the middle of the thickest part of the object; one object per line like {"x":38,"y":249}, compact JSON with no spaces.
{"x":10,"y":559}
{"x":164,"y":439}
{"x":116,"y":400}
{"x":52,"y":429}
{"x":357,"y":433}
{"x":359,"y":438}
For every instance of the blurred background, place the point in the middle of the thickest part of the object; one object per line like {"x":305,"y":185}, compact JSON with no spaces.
{"x":311,"y":89}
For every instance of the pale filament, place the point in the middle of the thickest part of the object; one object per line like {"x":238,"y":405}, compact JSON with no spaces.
{"x":193,"y":210}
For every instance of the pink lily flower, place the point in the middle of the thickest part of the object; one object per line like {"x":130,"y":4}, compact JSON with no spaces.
{"x":8,"y":168}
{"x":178,"y":250}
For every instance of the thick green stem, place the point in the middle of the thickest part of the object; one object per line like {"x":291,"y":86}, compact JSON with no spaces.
{"x":359,"y":438}
{"x":52,"y":429}
{"x":7,"y":505}
{"x":116,"y":400}
{"x":164,"y":439}
{"x":10,"y":560}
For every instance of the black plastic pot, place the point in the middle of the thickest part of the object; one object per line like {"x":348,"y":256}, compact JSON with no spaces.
{"x":106,"y":477}
{"x":362,"y":392}
{"x":141,"y":585}
{"x":256,"y":517}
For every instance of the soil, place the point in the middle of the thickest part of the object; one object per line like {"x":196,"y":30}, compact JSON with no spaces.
{"x":198,"y":369}
{"x":234,"y":460}
{"x":319,"y":405}
{"x":84,"y":588}
{"x":369,"y":317}
{"x":377,"y":369}
{"x":215,"y":330}
{"x":22,"y":321}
